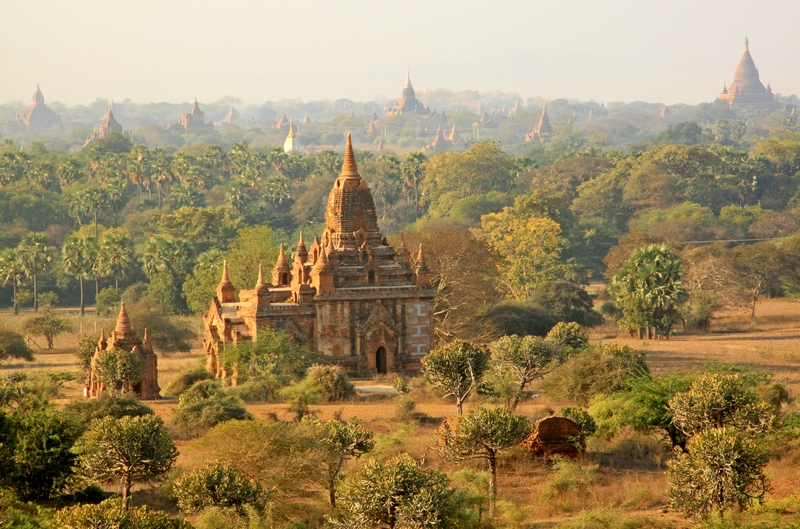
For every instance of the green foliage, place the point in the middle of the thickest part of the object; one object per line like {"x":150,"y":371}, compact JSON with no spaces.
{"x":721,"y":401}
{"x":523,"y":319}
{"x":107,"y":301}
{"x":601,"y":368}
{"x":214,"y":485}
{"x":400,"y":384}
{"x":521,"y":360}
{"x":111,"y":514}
{"x":205,"y":405}
{"x":126,"y":451}
{"x":570,"y":477}
{"x":720,"y":470}
{"x":83,"y":355}
{"x":167,"y":333}
{"x":19,"y":391}
{"x":568,"y":335}
{"x":43,"y":460}
{"x":567,"y":302}
{"x":12,"y":345}
{"x":580,"y":417}
{"x":330,"y":382}
{"x":300,"y":396}
{"x":397,"y":493}
{"x":455,"y":369}
{"x":185,"y":380}
{"x":48,"y":325}
{"x":86,"y":410}
{"x":649,"y":289}
{"x":118,"y":370}
{"x":48,"y":300}
{"x":338,"y":441}
{"x":281,"y":457}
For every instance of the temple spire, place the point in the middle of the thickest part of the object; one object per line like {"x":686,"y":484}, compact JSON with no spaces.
{"x":349,"y":167}
{"x":123,"y":327}
{"x":261,"y":284}
{"x":281,"y":274}
{"x":746,"y":43}
{"x":408,"y":78}
{"x":225,"y":291}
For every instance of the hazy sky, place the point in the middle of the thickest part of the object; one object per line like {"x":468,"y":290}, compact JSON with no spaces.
{"x":173,"y":50}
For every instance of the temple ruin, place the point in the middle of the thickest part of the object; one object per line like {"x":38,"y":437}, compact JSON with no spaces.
{"x":125,"y":338}
{"x":109,"y":125}
{"x":193,"y":122}
{"x":351,"y":297}
{"x":746,"y":88}
{"x":408,"y":103}
{"x":38,"y":115}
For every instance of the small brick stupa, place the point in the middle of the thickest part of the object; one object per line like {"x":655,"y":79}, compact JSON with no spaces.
{"x":124,"y":337}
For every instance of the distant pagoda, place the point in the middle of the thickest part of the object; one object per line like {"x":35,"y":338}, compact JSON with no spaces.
{"x":193,"y":121}
{"x":543,"y":130}
{"x":746,"y":88}
{"x":110,"y":124}
{"x":292,"y":144}
{"x":38,"y":115}
{"x":408,"y":103}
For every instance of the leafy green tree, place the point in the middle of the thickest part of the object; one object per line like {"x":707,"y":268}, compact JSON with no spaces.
{"x":339,"y":441}
{"x":89,"y":203}
{"x":529,"y":245}
{"x":568,"y":335}
{"x":79,"y":257}
{"x":397,"y":493}
{"x":522,"y":360}
{"x":567,"y":301}
{"x":483,"y":433}
{"x":214,"y":485}
{"x":43,"y":457}
{"x":87,"y":410}
{"x":128,"y":450}
{"x":12,"y":345}
{"x":83,"y":355}
{"x":12,"y":269}
{"x":455,"y":369}
{"x":330,"y":382}
{"x":118,"y":370}
{"x":450,"y":176}
{"x":649,"y":289}
{"x":48,"y":325}
{"x":35,"y":252}
{"x":115,"y":255}
{"x":721,"y":469}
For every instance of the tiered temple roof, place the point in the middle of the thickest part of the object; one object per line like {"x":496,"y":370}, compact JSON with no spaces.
{"x":38,"y":115}
{"x":408,"y":102}
{"x":746,"y":88}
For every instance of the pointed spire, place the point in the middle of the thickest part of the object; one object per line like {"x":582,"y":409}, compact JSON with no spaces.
{"x":408,"y":78}
{"x":349,"y":167}
{"x":746,"y":43}
{"x":261,"y":284}
{"x":225,"y":291}
{"x":282,"y":271}
{"x":421,"y":258}
{"x":123,"y":327}
{"x":195,"y":107}
{"x":146,"y":338}
{"x":291,"y":129}
{"x":282,"y":257}
{"x":301,"y":243}
{"x":102,"y":341}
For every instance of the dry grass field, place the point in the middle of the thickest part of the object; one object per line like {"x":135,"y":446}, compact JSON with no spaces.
{"x":621,"y":480}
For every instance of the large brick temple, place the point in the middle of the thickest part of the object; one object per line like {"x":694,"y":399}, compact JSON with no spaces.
{"x":746,"y":88}
{"x":351,"y":297}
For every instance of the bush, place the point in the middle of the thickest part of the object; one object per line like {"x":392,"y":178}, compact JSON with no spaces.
{"x":48,"y":300}
{"x":598,"y":369}
{"x":202,"y":390}
{"x":83,"y":355}
{"x":582,"y":418}
{"x":330,"y":382}
{"x":86,"y":410}
{"x":214,"y":485}
{"x":405,"y":408}
{"x":209,"y":412}
{"x":568,"y":335}
{"x":512,"y":317}
{"x":107,"y":301}
{"x":567,"y":302}
{"x":774,"y":394}
{"x":569,"y":477}
{"x":400,"y":384}
{"x":12,"y":345}
{"x":110,"y":514}
{"x":184,"y":380}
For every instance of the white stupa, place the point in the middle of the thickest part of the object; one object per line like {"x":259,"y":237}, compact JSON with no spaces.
{"x":292,"y":144}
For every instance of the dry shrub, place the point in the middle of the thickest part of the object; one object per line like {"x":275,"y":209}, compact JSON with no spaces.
{"x":631,"y":450}
{"x":613,"y":519}
{"x":570,"y":485}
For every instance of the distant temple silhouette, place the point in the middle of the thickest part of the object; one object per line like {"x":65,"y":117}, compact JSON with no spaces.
{"x":37,"y":115}
{"x":408,"y":103}
{"x":746,"y":88}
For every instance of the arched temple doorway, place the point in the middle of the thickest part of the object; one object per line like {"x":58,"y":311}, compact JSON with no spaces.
{"x":380,"y":360}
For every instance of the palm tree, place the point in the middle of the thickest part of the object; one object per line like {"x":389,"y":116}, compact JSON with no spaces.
{"x":413,"y":171}
{"x":35,"y":253}
{"x":11,"y":269}
{"x":161,"y":173}
{"x":68,"y":172}
{"x":139,"y":167}
{"x":115,"y":255}
{"x":79,"y":256}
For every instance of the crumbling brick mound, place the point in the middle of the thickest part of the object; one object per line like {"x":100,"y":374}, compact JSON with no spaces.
{"x":555,"y":436}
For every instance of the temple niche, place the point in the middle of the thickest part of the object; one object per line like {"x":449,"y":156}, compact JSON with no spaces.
{"x":193,"y":122}
{"x":746,"y":88}
{"x":37,"y":115}
{"x":110,"y":124}
{"x":408,"y":103}
{"x":124,"y":337}
{"x":350,"y":297}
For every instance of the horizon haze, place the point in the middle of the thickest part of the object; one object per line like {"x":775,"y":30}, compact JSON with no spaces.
{"x":669,"y":52}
